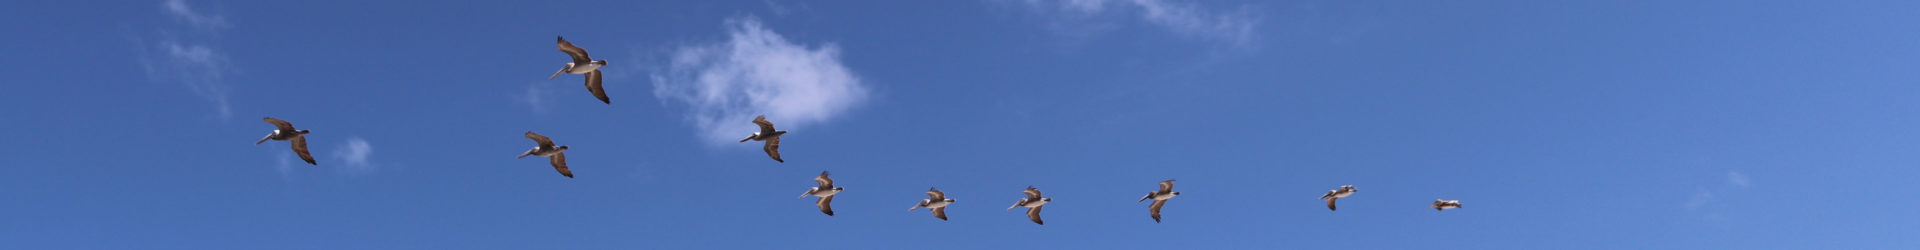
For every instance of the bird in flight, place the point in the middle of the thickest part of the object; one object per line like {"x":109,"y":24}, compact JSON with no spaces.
{"x":283,"y":131}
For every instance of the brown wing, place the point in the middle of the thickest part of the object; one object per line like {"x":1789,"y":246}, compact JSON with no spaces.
{"x":826,"y":205}
{"x":280,"y":124}
{"x":1034,"y":193}
{"x":579,"y":55}
{"x":593,"y":85}
{"x":1034,"y":214}
{"x":537,"y":138}
{"x":936,"y":195}
{"x":940,"y":212}
{"x":1156,"y":209}
{"x":823,"y":180}
{"x":1330,"y":204}
{"x":300,"y":147}
{"x":766,"y":127}
{"x":773,"y":149}
{"x":559,"y":161}
{"x":1166,"y":186}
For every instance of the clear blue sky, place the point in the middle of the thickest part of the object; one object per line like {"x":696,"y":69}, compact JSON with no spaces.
{"x":1559,"y":124}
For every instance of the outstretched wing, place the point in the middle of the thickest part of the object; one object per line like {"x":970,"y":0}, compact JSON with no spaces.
{"x":1166,"y":186}
{"x":537,"y":138}
{"x":593,"y":85}
{"x":559,"y":161}
{"x":940,"y":212}
{"x":1156,"y":209}
{"x":300,"y":147}
{"x":1034,"y":214}
{"x":579,"y":55}
{"x":936,"y":195}
{"x":1032,"y":193}
{"x":823,"y":180}
{"x":826,"y":205}
{"x":766,"y":127}
{"x":1330,"y":204}
{"x":280,"y":124}
{"x":773,"y":149}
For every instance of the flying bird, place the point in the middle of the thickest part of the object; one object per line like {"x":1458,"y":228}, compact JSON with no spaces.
{"x":769,"y":135}
{"x":547,"y":149}
{"x":825,"y":191}
{"x":1336,"y":194}
{"x":1442,"y":205}
{"x":1033,"y":203}
{"x":283,"y":131}
{"x":937,"y":201}
{"x":582,"y":64}
{"x":1160,"y":198}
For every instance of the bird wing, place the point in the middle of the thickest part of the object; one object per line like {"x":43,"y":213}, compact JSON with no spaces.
{"x":1032,"y":193}
{"x":1034,"y":214}
{"x":773,"y":149}
{"x":559,"y":161}
{"x":936,"y":195}
{"x":1330,"y":204}
{"x":1156,"y":209}
{"x":766,"y":127}
{"x":824,"y":181}
{"x":544,"y":142}
{"x":593,"y":85}
{"x":940,"y":212}
{"x":300,"y":147}
{"x":579,"y":55}
{"x":826,"y":205}
{"x":1166,"y":186}
{"x":284,"y":126}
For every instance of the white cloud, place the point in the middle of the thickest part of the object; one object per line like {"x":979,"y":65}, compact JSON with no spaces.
{"x":757,"y":72}
{"x":284,"y":165}
{"x":1738,"y":180}
{"x":535,"y":97}
{"x":198,"y":65}
{"x":1699,"y":198}
{"x":354,"y":155}
{"x":1234,"y":27}
{"x":179,"y":9}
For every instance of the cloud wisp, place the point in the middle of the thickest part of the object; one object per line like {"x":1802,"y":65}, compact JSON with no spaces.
{"x":757,"y":72}
{"x":1234,"y":27}
{"x":1738,"y":180}
{"x":176,"y":56}
{"x":354,"y":154}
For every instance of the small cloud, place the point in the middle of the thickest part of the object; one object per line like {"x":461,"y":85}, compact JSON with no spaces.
{"x":179,"y":9}
{"x":1738,"y":180}
{"x":354,"y":155}
{"x":1235,"y":27}
{"x":284,"y":165}
{"x":757,"y":72}
{"x":1699,"y":198}
{"x":175,"y":57}
{"x":535,"y":97}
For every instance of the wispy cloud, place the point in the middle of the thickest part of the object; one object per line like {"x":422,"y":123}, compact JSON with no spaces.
{"x":757,"y":72}
{"x":284,"y":165}
{"x":1234,"y":27}
{"x":1738,"y":180}
{"x":188,"y":57}
{"x":1700,"y":198}
{"x":179,"y":9}
{"x":353,"y":155}
{"x":536,"y":97}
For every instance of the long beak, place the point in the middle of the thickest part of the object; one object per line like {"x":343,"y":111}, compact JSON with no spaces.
{"x":263,"y":139}
{"x":556,"y":74}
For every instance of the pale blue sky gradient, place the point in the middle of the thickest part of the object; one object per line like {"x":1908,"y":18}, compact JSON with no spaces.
{"x":1559,"y":124}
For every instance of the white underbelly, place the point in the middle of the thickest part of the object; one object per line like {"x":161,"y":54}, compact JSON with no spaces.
{"x":583,"y":69}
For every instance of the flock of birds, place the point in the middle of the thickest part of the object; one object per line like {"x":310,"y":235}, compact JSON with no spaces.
{"x":936,"y":201}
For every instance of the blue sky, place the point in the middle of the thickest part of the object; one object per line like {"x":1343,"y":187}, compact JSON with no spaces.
{"x":1560,"y":125}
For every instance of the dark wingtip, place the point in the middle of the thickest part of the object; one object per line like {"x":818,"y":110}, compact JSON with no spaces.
{"x":560,"y":38}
